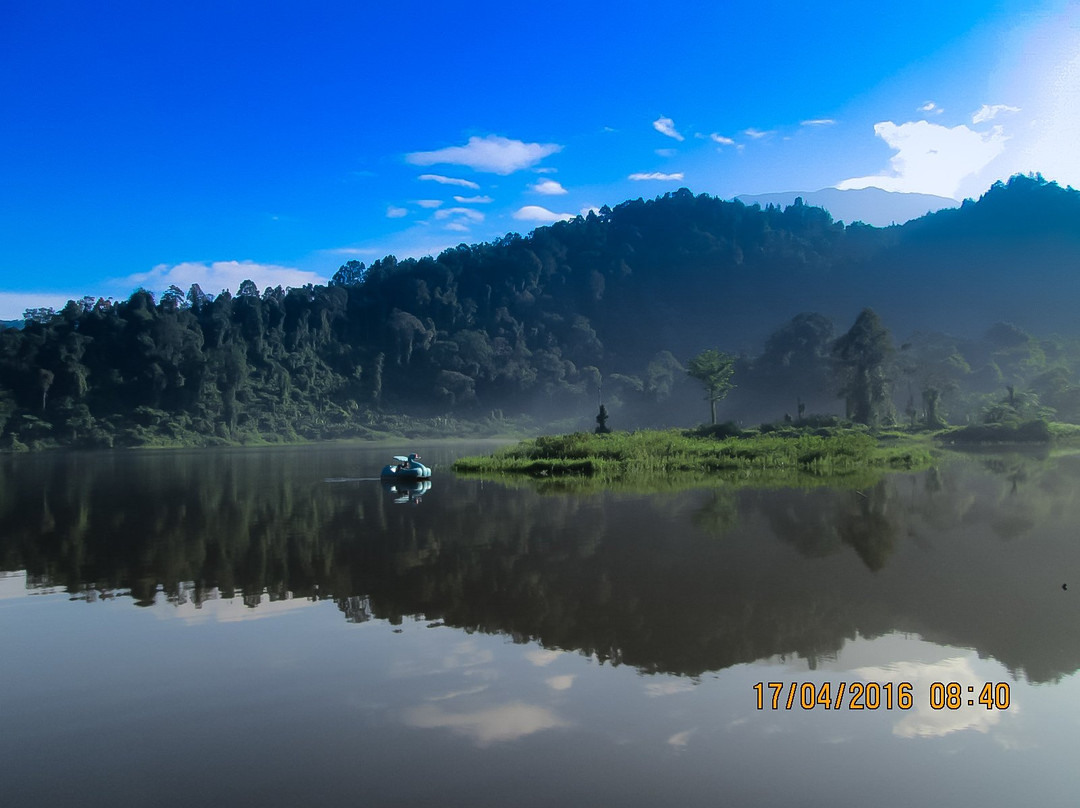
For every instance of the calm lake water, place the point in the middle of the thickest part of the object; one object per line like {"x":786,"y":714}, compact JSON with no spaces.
{"x":272,"y":627}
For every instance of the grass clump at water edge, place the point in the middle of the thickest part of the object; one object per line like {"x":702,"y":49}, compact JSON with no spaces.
{"x":649,"y":453}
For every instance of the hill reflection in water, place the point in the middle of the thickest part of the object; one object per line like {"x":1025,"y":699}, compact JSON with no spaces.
{"x":972,"y":554}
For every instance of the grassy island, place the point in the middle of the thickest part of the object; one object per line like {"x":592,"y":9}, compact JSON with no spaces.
{"x":619,"y":456}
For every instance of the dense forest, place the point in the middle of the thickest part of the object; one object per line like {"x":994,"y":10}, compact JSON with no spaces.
{"x":611,"y":307}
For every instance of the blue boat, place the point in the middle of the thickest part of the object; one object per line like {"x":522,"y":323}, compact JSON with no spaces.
{"x":406,"y":468}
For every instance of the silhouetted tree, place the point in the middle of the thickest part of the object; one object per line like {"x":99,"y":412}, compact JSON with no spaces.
{"x":861,"y":357}
{"x":713,"y":368}
{"x":601,"y":421}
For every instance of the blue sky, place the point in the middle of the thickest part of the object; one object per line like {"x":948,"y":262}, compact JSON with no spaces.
{"x":211,"y":142}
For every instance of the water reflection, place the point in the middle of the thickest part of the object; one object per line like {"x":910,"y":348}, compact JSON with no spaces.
{"x":971,"y":555}
{"x":407,"y":492}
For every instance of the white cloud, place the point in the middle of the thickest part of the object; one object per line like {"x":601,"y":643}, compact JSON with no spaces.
{"x":456,"y":694}
{"x":473,"y":200}
{"x":13,"y":304}
{"x":439,"y":178}
{"x":393,"y":212}
{"x":429,"y":203}
{"x":564,"y":682}
{"x":226,"y":610}
{"x":680,"y":739}
{"x":492,"y":154}
{"x":723,"y":141}
{"x":666,"y":152}
{"x":757,"y":134}
{"x":542,"y":657}
{"x":669,"y":687}
{"x":1040,"y":72}
{"x":819,"y":122}
{"x":656,"y":175}
{"x":548,"y":188}
{"x":467,"y":654}
{"x":931,"y":107}
{"x":462,"y":213}
{"x":666,"y":126}
{"x":535,"y":213}
{"x":214,"y":277}
{"x":353,"y":251}
{"x":507,"y":722}
{"x":987,"y":112}
{"x":922,"y":721}
{"x":459,"y":220}
{"x":930,"y":158}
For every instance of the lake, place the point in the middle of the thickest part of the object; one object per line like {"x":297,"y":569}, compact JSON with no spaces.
{"x":272,"y":626}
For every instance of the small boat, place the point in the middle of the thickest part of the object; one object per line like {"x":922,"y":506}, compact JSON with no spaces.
{"x":406,"y":468}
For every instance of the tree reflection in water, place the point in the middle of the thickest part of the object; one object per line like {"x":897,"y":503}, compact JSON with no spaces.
{"x":683,"y":582}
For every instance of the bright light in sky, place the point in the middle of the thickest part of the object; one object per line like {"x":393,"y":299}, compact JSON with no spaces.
{"x":930,"y":158}
{"x":149,"y":144}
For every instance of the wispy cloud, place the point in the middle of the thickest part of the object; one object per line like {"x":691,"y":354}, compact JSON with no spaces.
{"x":669,"y":687}
{"x":473,"y":200}
{"x":548,"y":188}
{"x":219,"y":275}
{"x":931,"y":108}
{"x":656,"y":175}
{"x":666,"y":152}
{"x":464,"y":213}
{"x":535,"y":213}
{"x":439,"y":178}
{"x":931,"y":158}
{"x":757,"y":134}
{"x":393,"y":212}
{"x":818,"y":122}
{"x":723,"y":141}
{"x":459,"y":220}
{"x":492,"y":154}
{"x":987,"y":112}
{"x":429,"y":203}
{"x":666,"y":126}
{"x":680,"y":739}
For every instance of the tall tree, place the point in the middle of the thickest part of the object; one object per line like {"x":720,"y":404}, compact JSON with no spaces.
{"x":713,"y":368}
{"x":861,"y":357}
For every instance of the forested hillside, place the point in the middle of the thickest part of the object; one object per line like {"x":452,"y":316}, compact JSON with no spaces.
{"x":613,"y":304}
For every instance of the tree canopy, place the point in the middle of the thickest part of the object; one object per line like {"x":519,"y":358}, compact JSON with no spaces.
{"x":526,"y":325}
{"x":713,"y":368}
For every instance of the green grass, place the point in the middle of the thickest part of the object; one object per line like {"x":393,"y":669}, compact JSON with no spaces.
{"x":638,"y":457}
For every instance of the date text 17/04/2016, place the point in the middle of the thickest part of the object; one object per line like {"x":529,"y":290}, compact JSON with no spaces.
{"x":877,"y":696}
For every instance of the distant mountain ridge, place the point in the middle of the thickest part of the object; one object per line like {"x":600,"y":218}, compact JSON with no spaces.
{"x":868,"y":205}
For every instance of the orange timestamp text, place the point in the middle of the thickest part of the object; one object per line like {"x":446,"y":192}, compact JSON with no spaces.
{"x":877,"y":695}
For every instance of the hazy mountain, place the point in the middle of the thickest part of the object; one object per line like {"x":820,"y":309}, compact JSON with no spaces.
{"x":533,"y":324}
{"x":11,"y":323}
{"x":870,"y":205}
